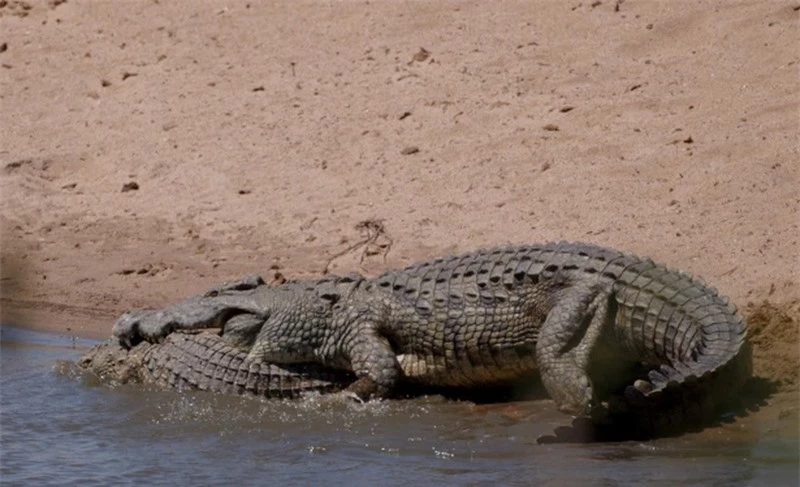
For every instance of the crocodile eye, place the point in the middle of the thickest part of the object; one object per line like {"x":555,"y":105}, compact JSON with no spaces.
{"x":333,"y":298}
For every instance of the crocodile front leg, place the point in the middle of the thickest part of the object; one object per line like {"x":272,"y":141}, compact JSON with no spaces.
{"x":566,"y":340}
{"x":357,"y":342}
{"x":373,"y":361}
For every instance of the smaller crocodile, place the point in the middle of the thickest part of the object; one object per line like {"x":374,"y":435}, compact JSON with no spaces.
{"x":205,"y":361}
{"x":190,"y":360}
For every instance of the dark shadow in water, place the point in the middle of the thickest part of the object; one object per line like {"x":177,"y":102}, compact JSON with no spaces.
{"x":754,"y":395}
{"x":526,"y":389}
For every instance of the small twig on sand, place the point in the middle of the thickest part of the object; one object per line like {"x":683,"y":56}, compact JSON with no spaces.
{"x":371,"y":231}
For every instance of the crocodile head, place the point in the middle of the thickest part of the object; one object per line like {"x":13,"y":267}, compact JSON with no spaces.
{"x":110,"y":362}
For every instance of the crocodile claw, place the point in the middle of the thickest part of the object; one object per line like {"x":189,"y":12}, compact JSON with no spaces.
{"x":352,"y":396}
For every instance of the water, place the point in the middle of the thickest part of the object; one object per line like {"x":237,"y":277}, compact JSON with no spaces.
{"x":62,"y":428}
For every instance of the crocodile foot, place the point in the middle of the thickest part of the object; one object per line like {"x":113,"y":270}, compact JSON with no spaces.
{"x":351,"y":396}
{"x":363,"y":388}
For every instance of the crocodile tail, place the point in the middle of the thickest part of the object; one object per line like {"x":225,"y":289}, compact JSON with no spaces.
{"x":678,"y":407}
{"x":712,"y":336}
{"x":686,"y":404}
{"x":696,"y":342}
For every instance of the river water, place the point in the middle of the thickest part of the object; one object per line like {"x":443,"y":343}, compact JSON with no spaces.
{"x":60,"y":427}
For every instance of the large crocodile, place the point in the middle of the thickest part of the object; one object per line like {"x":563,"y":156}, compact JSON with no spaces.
{"x":205,"y":361}
{"x":606,"y":330}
